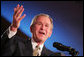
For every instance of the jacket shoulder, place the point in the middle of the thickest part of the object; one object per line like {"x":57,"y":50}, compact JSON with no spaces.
{"x":20,"y":39}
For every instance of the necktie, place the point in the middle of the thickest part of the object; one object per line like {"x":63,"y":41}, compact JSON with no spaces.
{"x":36,"y":51}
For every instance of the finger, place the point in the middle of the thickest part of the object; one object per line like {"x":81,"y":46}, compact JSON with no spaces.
{"x":18,"y":6}
{"x":21,"y":17}
{"x":18,"y":12}
{"x":16,"y":9}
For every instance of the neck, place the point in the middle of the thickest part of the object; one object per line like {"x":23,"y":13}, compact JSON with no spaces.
{"x":38,"y":41}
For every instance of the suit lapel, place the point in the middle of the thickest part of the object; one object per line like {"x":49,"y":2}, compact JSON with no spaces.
{"x":29,"y":48}
{"x":43,"y":53}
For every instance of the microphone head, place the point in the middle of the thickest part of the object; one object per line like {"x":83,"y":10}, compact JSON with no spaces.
{"x":56,"y":44}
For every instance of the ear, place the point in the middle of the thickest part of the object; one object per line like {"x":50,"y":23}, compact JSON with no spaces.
{"x":50,"y":33}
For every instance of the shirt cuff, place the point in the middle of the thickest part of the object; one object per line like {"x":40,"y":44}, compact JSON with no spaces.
{"x":11,"y":33}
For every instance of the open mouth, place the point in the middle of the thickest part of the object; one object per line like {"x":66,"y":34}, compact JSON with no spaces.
{"x":42,"y":33}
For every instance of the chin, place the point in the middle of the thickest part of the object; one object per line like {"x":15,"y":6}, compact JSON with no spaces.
{"x":41,"y":38}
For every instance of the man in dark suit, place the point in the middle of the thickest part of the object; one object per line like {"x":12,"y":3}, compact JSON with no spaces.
{"x":41,"y":29}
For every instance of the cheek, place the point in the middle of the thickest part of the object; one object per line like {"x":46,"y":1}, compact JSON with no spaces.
{"x":47,"y":32}
{"x":36,"y":30}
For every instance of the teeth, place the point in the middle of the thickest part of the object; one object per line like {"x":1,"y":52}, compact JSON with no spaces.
{"x":41,"y":33}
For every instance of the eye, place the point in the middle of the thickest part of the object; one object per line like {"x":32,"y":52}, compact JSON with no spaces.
{"x":47,"y":25}
{"x":39,"y":23}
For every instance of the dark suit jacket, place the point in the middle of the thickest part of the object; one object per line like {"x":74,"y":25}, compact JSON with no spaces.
{"x":17,"y":46}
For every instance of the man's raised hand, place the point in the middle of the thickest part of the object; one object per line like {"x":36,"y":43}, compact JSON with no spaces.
{"x":17,"y":17}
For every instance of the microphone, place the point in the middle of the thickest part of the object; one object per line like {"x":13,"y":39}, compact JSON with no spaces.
{"x":62,"y":47}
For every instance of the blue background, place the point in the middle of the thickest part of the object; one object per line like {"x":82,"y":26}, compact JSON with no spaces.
{"x":67,"y":19}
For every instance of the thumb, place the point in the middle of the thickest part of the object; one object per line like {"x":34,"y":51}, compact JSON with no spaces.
{"x":21,"y":17}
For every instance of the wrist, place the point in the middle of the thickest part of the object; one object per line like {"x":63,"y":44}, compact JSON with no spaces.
{"x":12,"y":28}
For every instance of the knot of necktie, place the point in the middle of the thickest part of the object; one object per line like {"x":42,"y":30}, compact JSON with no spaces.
{"x":37,"y":47}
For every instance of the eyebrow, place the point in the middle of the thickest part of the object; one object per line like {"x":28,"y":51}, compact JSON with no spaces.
{"x":41,"y":22}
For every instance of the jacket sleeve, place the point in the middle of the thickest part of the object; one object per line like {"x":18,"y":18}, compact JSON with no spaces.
{"x":7,"y":44}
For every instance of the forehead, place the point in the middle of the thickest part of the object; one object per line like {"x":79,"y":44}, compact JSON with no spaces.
{"x":43,"y":19}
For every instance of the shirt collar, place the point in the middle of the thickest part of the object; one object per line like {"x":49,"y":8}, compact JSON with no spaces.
{"x":34,"y":44}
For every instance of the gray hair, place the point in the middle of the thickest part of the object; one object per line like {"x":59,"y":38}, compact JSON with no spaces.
{"x":41,"y":14}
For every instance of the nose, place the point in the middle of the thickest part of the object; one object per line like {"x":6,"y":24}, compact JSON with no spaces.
{"x":42,"y":27}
